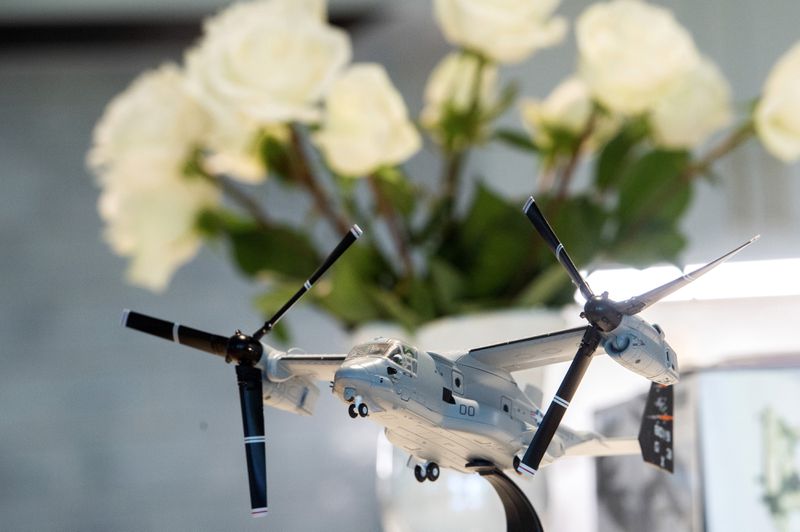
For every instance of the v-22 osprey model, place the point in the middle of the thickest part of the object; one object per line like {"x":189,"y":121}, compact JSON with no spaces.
{"x":459,"y":410}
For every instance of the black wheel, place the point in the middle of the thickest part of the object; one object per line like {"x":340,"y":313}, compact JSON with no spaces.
{"x":352,"y":411}
{"x":419,"y":473}
{"x":432,"y":471}
{"x":363,"y":411}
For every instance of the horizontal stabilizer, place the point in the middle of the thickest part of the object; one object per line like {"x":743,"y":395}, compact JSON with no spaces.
{"x":655,"y":434}
{"x":600,"y":446}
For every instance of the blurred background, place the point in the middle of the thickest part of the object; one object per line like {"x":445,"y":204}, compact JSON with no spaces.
{"x":104,"y":430}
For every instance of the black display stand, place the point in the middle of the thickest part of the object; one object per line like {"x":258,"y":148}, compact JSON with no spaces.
{"x":520,"y":515}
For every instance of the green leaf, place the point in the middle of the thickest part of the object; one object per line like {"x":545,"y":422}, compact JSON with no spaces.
{"x":580,"y":223}
{"x":493,"y":245}
{"x":256,"y":249}
{"x":561,"y":141}
{"x":616,"y":155}
{"x":653,"y":189}
{"x":447,"y":285}
{"x":515,"y":139}
{"x":546,"y":288}
{"x":193,"y":166}
{"x":421,"y":300}
{"x":394,"y":309}
{"x":651,"y":244}
{"x":458,"y":126}
{"x":400,"y":192}
{"x":208,"y":223}
{"x":278,"y":293}
{"x":276,"y":157}
{"x":347,"y":290}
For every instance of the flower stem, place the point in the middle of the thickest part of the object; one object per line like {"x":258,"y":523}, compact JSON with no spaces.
{"x":456,"y":153}
{"x":389,"y":214}
{"x":727,"y":145}
{"x":245,"y":201}
{"x":238,"y":196}
{"x":302,"y":172}
{"x":568,"y":171}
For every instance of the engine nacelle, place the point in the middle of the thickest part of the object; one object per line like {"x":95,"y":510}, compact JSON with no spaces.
{"x":296,"y":394}
{"x":281,"y":389}
{"x":640,"y":347}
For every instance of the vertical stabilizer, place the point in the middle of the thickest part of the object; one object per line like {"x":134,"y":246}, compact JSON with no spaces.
{"x":655,"y":435}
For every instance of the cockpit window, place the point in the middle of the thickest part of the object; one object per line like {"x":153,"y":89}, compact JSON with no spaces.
{"x":396,"y":356}
{"x":403,"y":355}
{"x":374,"y":349}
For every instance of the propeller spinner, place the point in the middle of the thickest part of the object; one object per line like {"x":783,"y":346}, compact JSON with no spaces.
{"x":246,"y":351}
{"x":604,"y":315}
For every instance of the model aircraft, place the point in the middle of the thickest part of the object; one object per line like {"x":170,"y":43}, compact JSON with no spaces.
{"x":459,"y":410}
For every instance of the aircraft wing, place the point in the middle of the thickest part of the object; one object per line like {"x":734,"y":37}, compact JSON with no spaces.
{"x":532,"y":352}
{"x":318,"y":367}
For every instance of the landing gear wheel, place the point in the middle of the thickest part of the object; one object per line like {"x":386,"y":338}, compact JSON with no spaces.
{"x":432,"y":471}
{"x":352,"y":411}
{"x":363,"y":411}
{"x":516,"y":465}
{"x":419,"y":473}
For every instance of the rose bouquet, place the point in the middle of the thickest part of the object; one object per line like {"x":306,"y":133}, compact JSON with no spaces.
{"x":268,"y":99}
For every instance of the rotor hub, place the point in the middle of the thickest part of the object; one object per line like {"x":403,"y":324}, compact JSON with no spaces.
{"x":602,"y":313}
{"x":244,"y":349}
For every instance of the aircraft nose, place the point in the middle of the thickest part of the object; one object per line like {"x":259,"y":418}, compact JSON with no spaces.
{"x":348,"y":379}
{"x":351,"y":374}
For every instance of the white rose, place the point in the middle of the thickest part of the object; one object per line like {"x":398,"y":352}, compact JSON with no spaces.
{"x":153,"y":223}
{"x":568,"y":108}
{"x":631,"y":52}
{"x":267,"y":62}
{"x":693,"y":107}
{"x":233,"y":152}
{"x":366,"y":123}
{"x":506,"y":31}
{"x":141,"y":145}
{"x":452,"y":84}
{"x":777,"y":115}
{"x":154,"y":118}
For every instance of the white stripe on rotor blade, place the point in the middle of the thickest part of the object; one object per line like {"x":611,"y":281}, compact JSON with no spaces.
{"x":125,"y":313}
{"x":688,"y":277}
{"x":255,"y":439}
{"x":307,"y":285}
{"x":559,"y":249}
{"x":559,"y":401}
{"x":258,"y":512}
{"x":527,"y":469}
{"x":527,"y":204}
{"x":356,"y":230}
{"x":175,"y":333}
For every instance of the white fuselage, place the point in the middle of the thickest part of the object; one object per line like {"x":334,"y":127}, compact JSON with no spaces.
{"x":445,"y":409}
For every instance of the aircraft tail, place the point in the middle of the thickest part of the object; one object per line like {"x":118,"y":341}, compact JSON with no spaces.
{"x":655,"y":442}
{"x":655,"y":434}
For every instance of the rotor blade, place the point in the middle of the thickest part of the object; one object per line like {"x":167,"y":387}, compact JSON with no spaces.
{"x":346,"y":242}
{"x":536,"y":217}
{"x":210,"y":343}
{"x":558,"y":407}
{"x":250,"y":397}
{"x":638,"y":303}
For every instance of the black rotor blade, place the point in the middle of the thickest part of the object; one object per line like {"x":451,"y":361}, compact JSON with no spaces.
{"x":638,"y":303}
{"x":204,"y":341}
{"x":558,"y":407}
{"x":536,"y":217}
{"x":338,"y":251}
{"x":250,"y":396}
